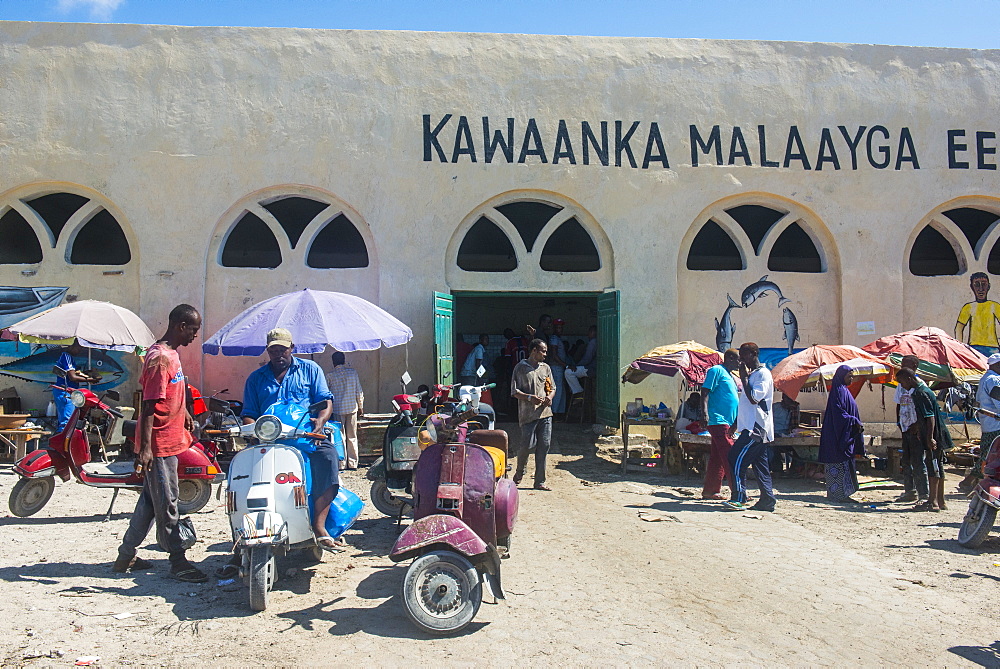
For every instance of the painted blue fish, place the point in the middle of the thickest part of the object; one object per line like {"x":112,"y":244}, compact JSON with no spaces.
{"x":759,"y":289}
{"x":726,"y":329}
{"x":791,"y":325}
{"x":38,"y":367}
{"x":19,"y":302}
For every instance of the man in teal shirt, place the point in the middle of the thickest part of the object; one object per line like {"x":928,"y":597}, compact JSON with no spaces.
{"x":720,"y":398}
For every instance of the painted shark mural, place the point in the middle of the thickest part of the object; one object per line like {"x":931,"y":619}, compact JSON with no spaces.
{"x":20,"y":302}
{"x":38,"y":367}
{"x":725,"y":328}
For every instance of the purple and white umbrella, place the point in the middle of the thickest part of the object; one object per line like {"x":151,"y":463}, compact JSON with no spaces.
{"x":316,"y":318}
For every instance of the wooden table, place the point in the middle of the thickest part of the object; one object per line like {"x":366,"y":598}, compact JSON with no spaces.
{"x":666,"y":426}
{"x":17,"y":440}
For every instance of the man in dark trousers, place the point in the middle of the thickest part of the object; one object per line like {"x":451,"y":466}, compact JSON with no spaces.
{"x":532,"y":386}
{"x":164,"y":432}
{"x":755,"y":425}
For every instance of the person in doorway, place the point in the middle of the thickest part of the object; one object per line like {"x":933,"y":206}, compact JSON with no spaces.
{"x":68,"y":377}
{"x":558,"y":362}
{"x":533,"y":387}
{"x":915,"y":485}
{"x":289,"y":379}
{"x":348,"y":404}
{"x":585,"y":366}
{"x":164,"y":432}
{"x":473,"y":361}
{"x":981,"y":316}
{"x":720,"y":399}
{"x":987,"y":397}
{"x":933,"y":437}
{"x":755,"y":424}
{"x":842,"y":438}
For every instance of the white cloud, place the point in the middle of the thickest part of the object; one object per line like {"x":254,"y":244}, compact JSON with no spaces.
{"x":99,"y":9}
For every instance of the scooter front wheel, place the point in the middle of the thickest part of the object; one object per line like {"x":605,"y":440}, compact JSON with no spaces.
{"x":30,"y":495}
{"x":261,"y":576}
{"x":442,"y":592}
{"x":383,"y":499}
{"x":977,"y":523}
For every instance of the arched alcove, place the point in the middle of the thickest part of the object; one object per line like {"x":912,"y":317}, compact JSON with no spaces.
{"x":759,"y":267}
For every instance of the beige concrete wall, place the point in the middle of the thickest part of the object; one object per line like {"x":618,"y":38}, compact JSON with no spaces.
{"x":174,"y":126}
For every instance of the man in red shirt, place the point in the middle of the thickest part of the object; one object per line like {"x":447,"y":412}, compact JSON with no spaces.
{"x":164,"y":431}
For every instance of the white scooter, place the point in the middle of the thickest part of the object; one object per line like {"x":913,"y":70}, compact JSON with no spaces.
{"x":267,"y":501}
{"x":470,"y":396}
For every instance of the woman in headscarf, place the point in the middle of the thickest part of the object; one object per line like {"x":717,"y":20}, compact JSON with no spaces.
{"x":841,"y":439}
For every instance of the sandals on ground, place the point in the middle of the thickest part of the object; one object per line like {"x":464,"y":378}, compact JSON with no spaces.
{"x":337,"y":546}
{"x":189,"y":574}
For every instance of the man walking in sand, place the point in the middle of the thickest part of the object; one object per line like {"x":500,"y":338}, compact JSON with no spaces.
{"x":348,"y":404}
{"x":533,"y":388}
{"x":164,"y":432}
{"x":755,"y":424}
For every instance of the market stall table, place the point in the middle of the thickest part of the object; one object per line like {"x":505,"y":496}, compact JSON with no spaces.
{"x":17,"y":440}
{"x":693,"y":449}
{"x":666,"y":428}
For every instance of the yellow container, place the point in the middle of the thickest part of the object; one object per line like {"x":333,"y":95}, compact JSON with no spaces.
{"x":499,"y":460}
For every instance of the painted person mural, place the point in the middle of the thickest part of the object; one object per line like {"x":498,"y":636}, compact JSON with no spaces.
{"x":981,"y":317}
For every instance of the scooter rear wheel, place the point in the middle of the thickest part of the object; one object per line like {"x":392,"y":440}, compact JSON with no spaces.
{"x":442,"y":592}
{"x":30,"y":495}
{"x":193,"y":495}
{"x":384,"y":500}
{"x":977,"y":523}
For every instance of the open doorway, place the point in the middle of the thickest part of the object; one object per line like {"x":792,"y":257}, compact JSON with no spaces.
{"x":463,"y":317}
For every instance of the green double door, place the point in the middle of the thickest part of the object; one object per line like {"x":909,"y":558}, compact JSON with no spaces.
{"x":608,"y":372}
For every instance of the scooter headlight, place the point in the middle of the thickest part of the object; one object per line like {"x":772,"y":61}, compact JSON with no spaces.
{"x":78,"y":399}
{"x":267,"y":428}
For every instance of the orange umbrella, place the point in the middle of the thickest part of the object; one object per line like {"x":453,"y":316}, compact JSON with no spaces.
{"x":792,"y":373}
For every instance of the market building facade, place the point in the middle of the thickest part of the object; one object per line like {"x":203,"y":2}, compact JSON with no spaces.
{"x":783,"y":193}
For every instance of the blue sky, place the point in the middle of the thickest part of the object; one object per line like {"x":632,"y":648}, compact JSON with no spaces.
{"x":950,"y":23}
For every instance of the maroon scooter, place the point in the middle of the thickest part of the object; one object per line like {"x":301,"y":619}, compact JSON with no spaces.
{"x":68,"y":454}
{"x":985,"y":498}
{"x":464,"y":514}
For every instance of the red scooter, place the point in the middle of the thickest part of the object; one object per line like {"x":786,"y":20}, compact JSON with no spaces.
{"x":68,"y":453}
{"x":464,"y":513}
{"x":985,"y":498}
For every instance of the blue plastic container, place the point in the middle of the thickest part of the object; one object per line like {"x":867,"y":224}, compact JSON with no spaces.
{"x":344,"y":510}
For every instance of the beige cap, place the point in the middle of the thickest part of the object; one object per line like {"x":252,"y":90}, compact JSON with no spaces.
{"x":279,"y":337}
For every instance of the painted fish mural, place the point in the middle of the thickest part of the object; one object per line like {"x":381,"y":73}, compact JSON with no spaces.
{"x":791,"y":325}
{"x":759,"y":289}
{"x":38,"y":367}
{"x":18,"y":302}
{"x":725,"y":329}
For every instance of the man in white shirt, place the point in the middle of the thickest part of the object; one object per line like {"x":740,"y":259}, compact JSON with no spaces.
{"x":987,"y":397}
{"x":755,"y":425}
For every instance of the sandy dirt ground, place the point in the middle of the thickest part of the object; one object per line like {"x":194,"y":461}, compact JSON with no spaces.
{"x":606,"y":569}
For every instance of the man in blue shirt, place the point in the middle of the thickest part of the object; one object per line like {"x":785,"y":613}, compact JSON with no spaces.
{"x":289,"y":379}
{"x":68,"y":376}
{"x":720,"y":399}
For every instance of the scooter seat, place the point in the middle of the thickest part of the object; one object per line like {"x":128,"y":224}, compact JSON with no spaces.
{"x":494,"y":438}
{"x":128,"y":429}
{"x":120,"y":469}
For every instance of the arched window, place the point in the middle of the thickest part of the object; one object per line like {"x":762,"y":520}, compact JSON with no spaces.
{"x":271,"y":226}
{"x":251,"y":244}
{"x":714,"y":249}
{"x":78,"y":227}
{"x":568,"y":246}
{"x":570,"y":249}
{"x":486,"y":249}
{"x":101,"y":241}
{"x":338,"y":244}
{"x":794,"y":251}
{"x":733,"y":236}
{"x":933,"y":255}
{"x":18,"y":242}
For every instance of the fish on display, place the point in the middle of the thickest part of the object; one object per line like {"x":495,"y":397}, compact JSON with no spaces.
{"x":725,"y":329}
{"x":791,"y":325}
{"x":38,"y":367}
{"x":18,"y":302}
{"x":759,"y":289}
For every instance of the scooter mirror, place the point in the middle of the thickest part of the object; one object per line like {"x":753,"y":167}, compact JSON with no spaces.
{"x":316,"y":408}
{"x":113,"y":394}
